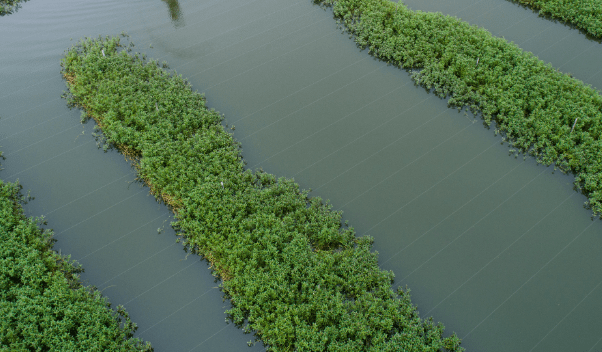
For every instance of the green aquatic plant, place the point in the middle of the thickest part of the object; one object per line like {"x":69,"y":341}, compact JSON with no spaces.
{"x":43,"y":305}
{"x":8,"y":7}
{"x":294,"y":274}
{"x":583,"y":14}
{"x":538,"y":110}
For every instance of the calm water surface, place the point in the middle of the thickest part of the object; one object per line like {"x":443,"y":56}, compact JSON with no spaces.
{"x":499,"y":249}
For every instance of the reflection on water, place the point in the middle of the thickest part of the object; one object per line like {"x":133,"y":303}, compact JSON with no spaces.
{"x":8,"y":7}
{"x":175,"y":13}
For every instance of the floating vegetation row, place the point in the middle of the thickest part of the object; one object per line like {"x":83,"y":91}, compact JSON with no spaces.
{"x":583,"y":14}
{"x":538,"y":110}
{"x":43,"y":305}
{"x":8,"y":7}
{"x":295,"y":275}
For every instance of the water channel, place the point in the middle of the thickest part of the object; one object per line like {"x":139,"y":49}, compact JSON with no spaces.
{"x":497,"y":248}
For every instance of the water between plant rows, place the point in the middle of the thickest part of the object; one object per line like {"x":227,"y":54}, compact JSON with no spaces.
{"x":498,"y":249}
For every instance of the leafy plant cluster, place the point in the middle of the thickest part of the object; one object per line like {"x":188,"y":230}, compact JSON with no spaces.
{"x":8,"y":7}
{"x":295,"y":275}
{"x":539,"y":110}
{"x":583,"y":14}
{"x":43,"y":305}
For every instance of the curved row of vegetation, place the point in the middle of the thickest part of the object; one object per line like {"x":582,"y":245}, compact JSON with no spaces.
{"x":8,"y":7}
{"x":539,"y":110}
{"x":583,"y":14}
{"x":295,"y":275}
{"x":43,"y":305}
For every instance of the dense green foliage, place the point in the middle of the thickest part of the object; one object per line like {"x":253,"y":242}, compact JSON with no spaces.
{"x":583,"y":14}
{"x":43,"y":305}
{"x":8,"y":7}
{"x":294,"y":274}
{"x":540,"y":111}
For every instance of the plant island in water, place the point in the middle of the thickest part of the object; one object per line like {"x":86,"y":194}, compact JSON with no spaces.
{"x":538,"y":110}
{"x":294,"y":275}
{"x":43,"y":305}
{"x":583,"y":14}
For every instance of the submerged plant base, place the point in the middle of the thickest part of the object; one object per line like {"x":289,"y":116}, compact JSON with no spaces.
{"x":295,"y":276}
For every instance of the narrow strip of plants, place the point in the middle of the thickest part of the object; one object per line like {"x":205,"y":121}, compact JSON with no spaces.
{"x":583,"y":14}
{"x":43,"y":305}
{"x":538,"y":110}
{"x":295,"y":275}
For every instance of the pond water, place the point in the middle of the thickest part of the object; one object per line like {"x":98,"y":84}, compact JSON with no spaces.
{"x":497,"y":248}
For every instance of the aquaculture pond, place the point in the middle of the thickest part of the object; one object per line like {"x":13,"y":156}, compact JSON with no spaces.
{"x":497,"y":248}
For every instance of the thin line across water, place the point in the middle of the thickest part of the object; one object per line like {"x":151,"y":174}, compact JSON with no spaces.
{"x":597,"y":342}
{"x":428,"y":189}
{"x":140,"y":262}
{"x":337,"y":121}
{"x":100,"y":212}
{"x":174,"y":312}
{"x":161,"y":282}
{"x":195,"y":347}
{"x":402,"y":168}
{"x":47,"y":160}
{"x":500,"y":253}
{"x":452,"y":213}
{"x":313,"y":102}
{"x":569,"y":313}
{"x":528,"y":280}
{"x":87,"y":194}
{"x":117,"y":239}
{"x":263,"y":63}
{"x":473,"y":225}
{"x":299,"y":90}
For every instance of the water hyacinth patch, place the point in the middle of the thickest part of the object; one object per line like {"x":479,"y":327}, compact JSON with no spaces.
{"x":296,"y":277}
{"x":538,"y":110}
{"x":43,"y":305}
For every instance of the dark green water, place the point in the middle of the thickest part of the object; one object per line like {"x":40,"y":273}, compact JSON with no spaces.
{"x":498,"y":249}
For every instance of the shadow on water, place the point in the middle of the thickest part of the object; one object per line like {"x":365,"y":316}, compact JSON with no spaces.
{"x":175,"y":13}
